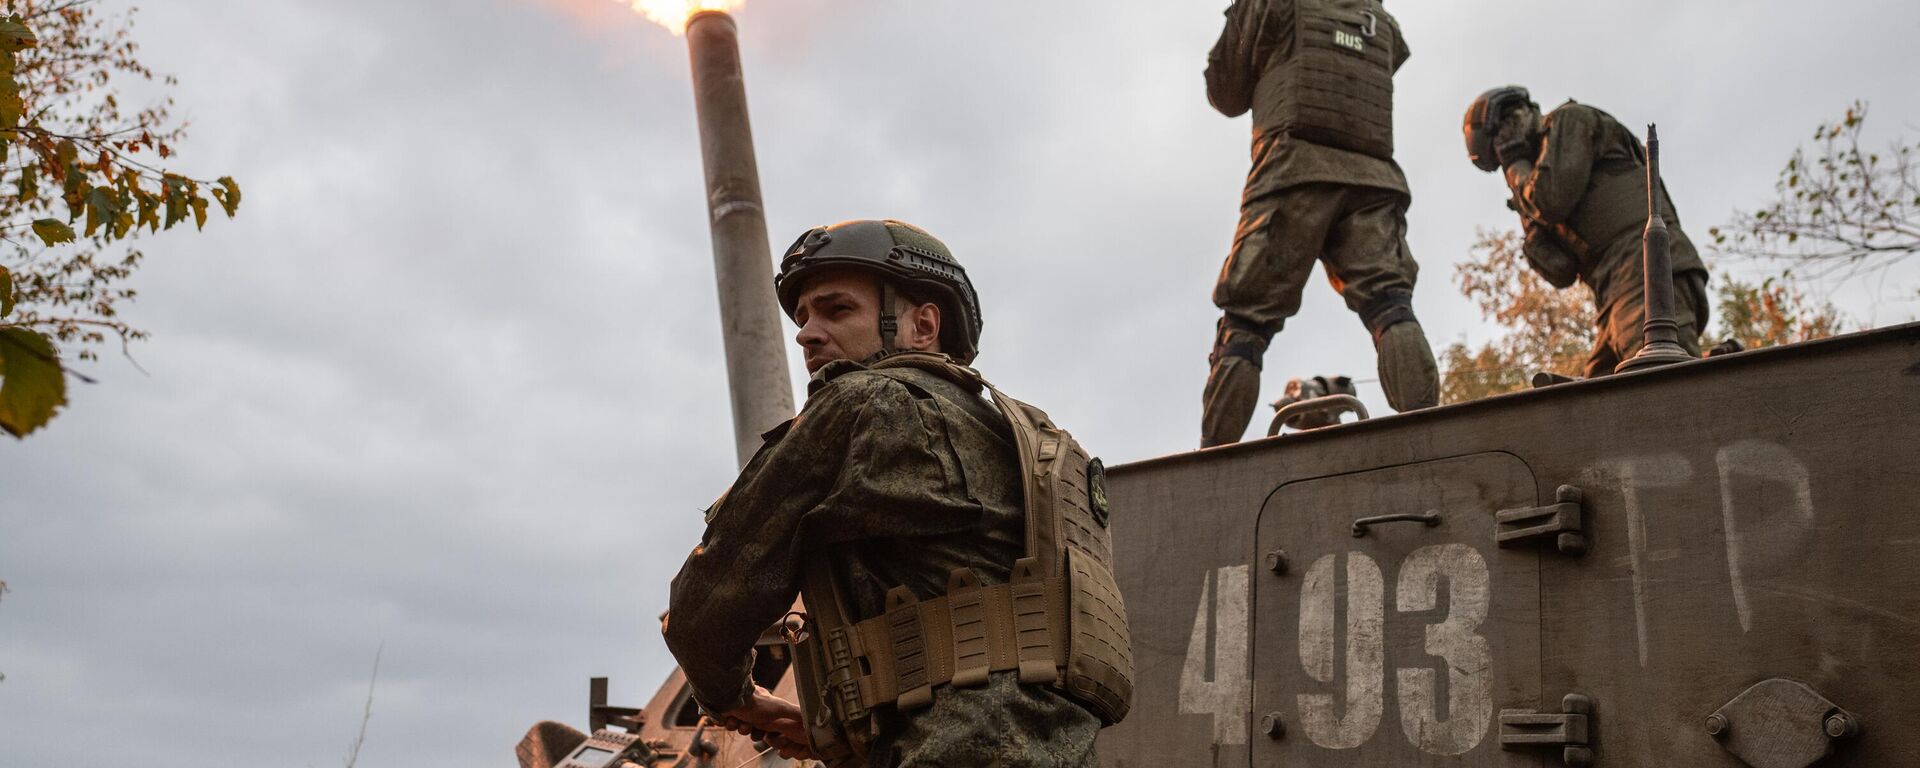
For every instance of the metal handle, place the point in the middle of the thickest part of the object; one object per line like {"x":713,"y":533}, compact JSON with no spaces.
{"x":1326,"y":403}
{"x":1431,"y":517}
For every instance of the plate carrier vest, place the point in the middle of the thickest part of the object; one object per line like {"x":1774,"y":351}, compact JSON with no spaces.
{"x":1336,"y":87}
{"x":1058,"y":621}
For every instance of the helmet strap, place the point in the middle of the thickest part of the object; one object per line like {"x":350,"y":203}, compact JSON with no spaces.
{"x":889,"y":319}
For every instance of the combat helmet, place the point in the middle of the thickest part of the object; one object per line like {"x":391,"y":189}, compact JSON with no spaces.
{"x":1483,"y":121}
{"x":906,"y":258}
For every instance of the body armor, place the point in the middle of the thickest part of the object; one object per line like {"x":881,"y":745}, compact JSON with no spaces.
{"x":1336,"y":86}
{"x":1058,"y":621}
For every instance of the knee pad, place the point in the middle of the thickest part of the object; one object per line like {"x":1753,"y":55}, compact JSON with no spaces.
{"x":1386,"y":311}
{"x":1234,"y":337}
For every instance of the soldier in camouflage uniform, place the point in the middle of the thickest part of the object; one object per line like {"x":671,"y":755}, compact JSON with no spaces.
{"x":897,"y":471}
{"x":1578,"y":179}
{"x":1318,"y":77}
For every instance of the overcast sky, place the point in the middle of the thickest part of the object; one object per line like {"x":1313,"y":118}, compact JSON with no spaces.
{"x":452,"y":382}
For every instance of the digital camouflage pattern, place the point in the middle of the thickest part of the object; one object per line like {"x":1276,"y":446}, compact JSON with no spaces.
{"x":1004,"y":724}
{"x":1585,"y":203}
{"x":899,"y":475}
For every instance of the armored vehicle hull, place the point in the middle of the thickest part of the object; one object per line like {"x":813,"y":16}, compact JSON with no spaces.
{"x":1715,"y":563}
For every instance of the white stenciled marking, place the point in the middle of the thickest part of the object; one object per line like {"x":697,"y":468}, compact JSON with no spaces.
{"x":1224,"y":695}
{"x":1632,"y":475}
{"x":1469,"y":659}
{"x":1316,"y":620}
{"x":1754,"y":458}
{"x":1366,"y":608}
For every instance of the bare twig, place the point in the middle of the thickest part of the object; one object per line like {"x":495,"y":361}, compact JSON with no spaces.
{"x":1842,"y":210}
{"x":353,"y":750}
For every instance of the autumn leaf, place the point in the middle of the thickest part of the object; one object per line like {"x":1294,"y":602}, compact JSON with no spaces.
{"x":228,"y":193}
{"x":15,"y":36}
{"x":74,"y":180}
{"x":32,"y":385}
{"x":53,"y":231}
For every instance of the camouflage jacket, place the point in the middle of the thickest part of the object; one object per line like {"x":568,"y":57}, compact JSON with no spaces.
{"x":899,"y":474}
{"x":1587,"y":194}
{"x":1256,"y":41}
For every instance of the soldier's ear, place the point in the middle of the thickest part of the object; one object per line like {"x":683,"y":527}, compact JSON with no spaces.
{"x":923,"y":328}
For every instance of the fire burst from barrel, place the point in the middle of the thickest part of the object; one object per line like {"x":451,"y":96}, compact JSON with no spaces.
{"x":673,"y":14}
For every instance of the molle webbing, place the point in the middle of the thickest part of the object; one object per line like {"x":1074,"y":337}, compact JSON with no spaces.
{"x":960,"y":638}
{"x":1336,"y":89}
{"x":1057,"y":621}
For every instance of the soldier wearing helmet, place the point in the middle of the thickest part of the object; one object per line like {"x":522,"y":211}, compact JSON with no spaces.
{"x":901,"y":504}
{"x":1578,"y":179}
{"x":1318,"y":77}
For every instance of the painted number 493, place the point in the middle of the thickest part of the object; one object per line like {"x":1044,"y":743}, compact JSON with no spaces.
{"x":1351,"y":720}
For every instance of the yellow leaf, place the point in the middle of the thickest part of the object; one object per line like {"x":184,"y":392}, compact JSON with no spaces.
{"x":53,"y":231}
{"x":32,"y":384}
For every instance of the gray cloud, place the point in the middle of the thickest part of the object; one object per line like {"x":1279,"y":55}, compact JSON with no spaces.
{"x":451,"y":382}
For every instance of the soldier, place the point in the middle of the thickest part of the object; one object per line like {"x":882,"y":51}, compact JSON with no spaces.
{"x":1318,"y":76}
{"x":920,"y":521}
{"x":1578,"y":179}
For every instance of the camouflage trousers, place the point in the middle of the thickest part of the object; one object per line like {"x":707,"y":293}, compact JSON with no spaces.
{"x":1358,"y":232}
{"x":1620,"y":325}
{"x":1002,"y":724}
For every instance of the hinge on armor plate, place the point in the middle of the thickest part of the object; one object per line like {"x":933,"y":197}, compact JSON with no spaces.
{"x":1561,"y":520}
{"x":1567,"y":730}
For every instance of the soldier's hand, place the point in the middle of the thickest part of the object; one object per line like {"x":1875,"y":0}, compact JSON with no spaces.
{"x":790,"y":750}
{"x":767,"y":714}
{"x":1512,"y":141}
{"x":1512,"y":151}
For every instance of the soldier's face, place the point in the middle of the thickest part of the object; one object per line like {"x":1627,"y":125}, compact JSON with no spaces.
{"x":839,"y":318}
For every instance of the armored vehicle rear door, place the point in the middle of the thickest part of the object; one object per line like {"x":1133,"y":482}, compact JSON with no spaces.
{"x":1394,"y":630}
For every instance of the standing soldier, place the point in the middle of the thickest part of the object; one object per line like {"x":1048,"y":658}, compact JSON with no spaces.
{"x":940,"y":539}
{"x":1578,"y":179}
{"x":1318,"y":75}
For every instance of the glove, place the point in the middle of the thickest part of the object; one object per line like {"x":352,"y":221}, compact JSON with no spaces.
{"x":1512,"y":151}
{"x":1549,"y":258}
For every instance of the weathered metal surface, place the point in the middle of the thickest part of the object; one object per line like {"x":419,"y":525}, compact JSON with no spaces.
{"x":1330,"y":643}
{"x":1743,"y":522}
{"x":1566,"y":731}
{"x":750,"y":323}
{"x":1558,"y":523}
{"x":1781,"y":724}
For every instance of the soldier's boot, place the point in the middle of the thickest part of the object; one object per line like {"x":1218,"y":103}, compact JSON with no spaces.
{"x":1407,"y":369}
{"x":1233,"y":384}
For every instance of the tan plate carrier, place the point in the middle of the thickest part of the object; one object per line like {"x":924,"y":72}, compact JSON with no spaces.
{"x":1337,"y":88}
{"x":1059,"y":621}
